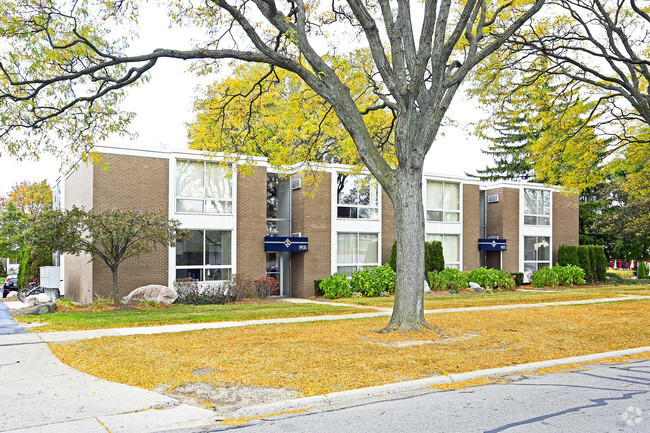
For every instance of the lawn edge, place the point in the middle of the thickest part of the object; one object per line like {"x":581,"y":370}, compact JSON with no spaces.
{"x":352,"y":395}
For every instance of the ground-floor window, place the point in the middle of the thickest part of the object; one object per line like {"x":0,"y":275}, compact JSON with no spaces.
{"x":537,"y":252}
{"x":206,"y":256}
{"x":450,"y":248}
{"x":355,"y":251}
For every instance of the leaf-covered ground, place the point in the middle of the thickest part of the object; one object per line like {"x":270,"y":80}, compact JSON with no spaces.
{"x":321,"y":357}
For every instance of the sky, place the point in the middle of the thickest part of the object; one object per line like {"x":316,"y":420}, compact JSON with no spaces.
{"x":164,"y":105}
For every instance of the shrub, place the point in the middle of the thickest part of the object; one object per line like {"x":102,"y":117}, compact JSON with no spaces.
{"x":450,"y":279}
{"x":642,"y":272}
{"x":585,"y":262}
{"x":197,"y":293}
{"x":373,"y":281}
{"x":3,"y":271}
{"x":492,"y":279}
{"x":601,"y":262}
{"x":434,"y":259}
{"x":317,"y":290}
{"x":518,"y":277}
{"x":356,"y":295}
{"x":568,"y":255}
{"x":384,"y":294}
{"x":613,"y":278}
{"x":570,"y":275}
{"x":592,"y":262}
{"x":392,"y":261}
{"x":265,"y":286}
{"x":545,"y":277}
{"x":240,"y":286}
{"x":335,"y":286}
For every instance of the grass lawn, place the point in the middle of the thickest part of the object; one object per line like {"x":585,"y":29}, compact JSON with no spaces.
{"x":79,"y":320}
{"x":321,"y":357}
{"x":432,"y":302}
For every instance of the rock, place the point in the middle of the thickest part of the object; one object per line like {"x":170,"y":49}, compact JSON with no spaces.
{"x":475,"y":286}
{"x":12,"y":296}
{"x":153,"y":292}
{"x":46,"y":308}
{"x":427,"y":289}
{"x":38,"y":299}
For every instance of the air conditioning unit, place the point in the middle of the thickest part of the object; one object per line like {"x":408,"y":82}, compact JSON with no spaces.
{"x":296,"y":183}
{"x":493,"y":198}
{"x":296,"y":235}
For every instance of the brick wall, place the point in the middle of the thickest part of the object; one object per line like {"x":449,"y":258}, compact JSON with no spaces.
{"x":471,"y":226}
{"x":503,"y":221}
{"x":251,"y":223}
{"x":387,"y":227}
{"x":78,"y":276}
{"x":312,"y":217}
{"x":132,"y":182}
{"x":565,"y":221}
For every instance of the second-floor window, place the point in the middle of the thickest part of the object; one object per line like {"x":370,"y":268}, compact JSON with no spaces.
{"x":537,"y":207}
{"x":357,"y":197}
{"x":443,"y":201}
{"x":203,"y":187}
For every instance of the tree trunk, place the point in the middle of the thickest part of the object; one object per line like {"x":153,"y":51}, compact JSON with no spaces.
{"x":116,"y":292}
{"x":408,"y":310}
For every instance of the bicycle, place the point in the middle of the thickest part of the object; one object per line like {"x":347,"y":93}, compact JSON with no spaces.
{"x":31,"y":289}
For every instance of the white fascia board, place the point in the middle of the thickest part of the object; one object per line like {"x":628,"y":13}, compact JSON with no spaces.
{"x":484,"y":186}
{"x":451,"y":178}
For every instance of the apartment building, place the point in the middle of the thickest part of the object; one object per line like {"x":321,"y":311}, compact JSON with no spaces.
{"x":263,"y":223}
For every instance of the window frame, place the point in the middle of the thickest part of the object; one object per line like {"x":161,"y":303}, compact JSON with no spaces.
{"x":537,"y":261}
{"x":539,"y":200}
{"x":448,"y":264}
{"x":373,"y":209}
{"x":225,"y":202}
{"x":205,"y":266}
{"x":356,"y":264}
{"x":445,"y":212}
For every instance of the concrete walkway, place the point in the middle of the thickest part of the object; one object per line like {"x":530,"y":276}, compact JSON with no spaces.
{"x":63,"y":336}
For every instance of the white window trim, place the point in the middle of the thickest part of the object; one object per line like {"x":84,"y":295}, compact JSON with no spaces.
{"x":204,"y":199}
{"x":538,"y":215}
{"x":336,"y":264}
{"x":335,"y":175}
{"x":444,"y":211}
{"x":204,"y":267}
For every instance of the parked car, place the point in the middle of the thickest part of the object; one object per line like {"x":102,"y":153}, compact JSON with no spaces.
{"x":10,"y":284}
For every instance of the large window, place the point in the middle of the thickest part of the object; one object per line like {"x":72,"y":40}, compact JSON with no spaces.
{"x":357,"y":197}
{"x":443,"y":201}
{"x":537,"y":207}
{"x":537,"y":252}
{"x":207,"y":256}
{"x":203,"y":187}
{"x":450,"y":248}
{"x":355,"y":251}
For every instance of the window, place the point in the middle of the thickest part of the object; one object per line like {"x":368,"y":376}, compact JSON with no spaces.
{"x":357,"y":197}
{"x":355,"y":251}
{"x":537,"y":207}
{"x":537,"y":252}
{"x":203,"y":187}
{"x":443,"y":201}
{"x":450,"y":248}
{"x":207,"y":256}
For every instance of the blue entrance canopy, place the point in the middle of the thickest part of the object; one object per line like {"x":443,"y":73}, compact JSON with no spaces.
{"x":491,"y":244}
{"x":286,"y":243}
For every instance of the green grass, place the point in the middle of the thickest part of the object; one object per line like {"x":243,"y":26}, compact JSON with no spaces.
{"x":503,"y":298}
{"x":71,"y":321}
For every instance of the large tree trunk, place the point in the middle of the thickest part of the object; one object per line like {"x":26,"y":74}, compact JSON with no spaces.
{"x":408,"y":310}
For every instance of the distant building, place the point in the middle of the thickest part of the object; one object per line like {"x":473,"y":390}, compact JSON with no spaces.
{"x":256,"y":224}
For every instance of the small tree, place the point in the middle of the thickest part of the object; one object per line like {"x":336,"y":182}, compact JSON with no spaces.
{"x":392,"y":261}
{"x":112,"y":236}
{"x":601,"y":262}
{"x":585,"y":262}
{"x":434,"y":259}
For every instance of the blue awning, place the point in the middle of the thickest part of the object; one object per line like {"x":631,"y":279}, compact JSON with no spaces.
{"x":492,"y":245}
{"x":286,"y":243}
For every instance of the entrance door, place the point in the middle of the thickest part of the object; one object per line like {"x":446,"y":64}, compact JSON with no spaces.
{"x":277,"y":266}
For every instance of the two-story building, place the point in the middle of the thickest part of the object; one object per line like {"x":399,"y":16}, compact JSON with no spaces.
{"x":262,"y":223}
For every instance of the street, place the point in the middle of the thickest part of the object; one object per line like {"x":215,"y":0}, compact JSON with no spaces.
{"x":602,"y":398}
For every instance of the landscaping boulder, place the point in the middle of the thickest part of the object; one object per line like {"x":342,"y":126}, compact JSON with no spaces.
{"x":12,"y":296}
{"x":37,"y":299}
{"x":477,"y":287}
{"x":45,"y":308}
{"x":152,"y":292}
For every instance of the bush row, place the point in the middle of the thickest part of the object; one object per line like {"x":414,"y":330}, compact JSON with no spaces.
{"x":222,"y":292}
{"x":590,"y":258}
{"x":372,"y":281}
{"x":558,"y":275}
{"x":452,"y":280}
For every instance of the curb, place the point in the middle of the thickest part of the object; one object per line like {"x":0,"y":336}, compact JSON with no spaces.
{"x":420,"y":384}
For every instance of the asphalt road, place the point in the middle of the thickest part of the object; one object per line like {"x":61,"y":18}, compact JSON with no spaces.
{"x":7,"y":323}
{"x":604,"y":398}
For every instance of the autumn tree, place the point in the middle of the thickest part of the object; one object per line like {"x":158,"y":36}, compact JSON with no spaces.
{"x":29,"y":197}
{"x":598,"y":51}
{"x":64,"y":72}
{"x":111,"y":236}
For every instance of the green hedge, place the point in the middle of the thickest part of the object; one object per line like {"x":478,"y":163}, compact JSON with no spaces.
{"x":449,"y":279}
{"x":558,"y":275}
{"x":492,"y":279}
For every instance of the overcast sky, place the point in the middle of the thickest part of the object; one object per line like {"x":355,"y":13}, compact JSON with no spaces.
{"x":164,"y":105}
